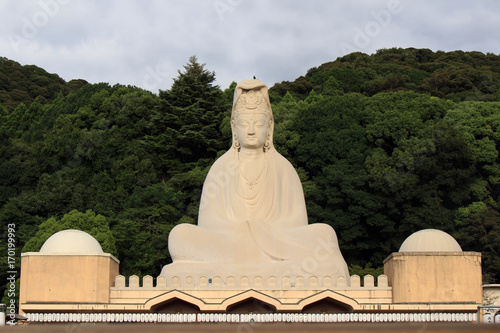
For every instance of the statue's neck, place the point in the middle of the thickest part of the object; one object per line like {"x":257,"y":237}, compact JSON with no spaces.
{"x":251,"y":153}
{"x":252,"y":171}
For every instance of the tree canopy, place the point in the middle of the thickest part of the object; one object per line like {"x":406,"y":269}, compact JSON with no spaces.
{"x":384,"y":144}
{"x":24,"y":84}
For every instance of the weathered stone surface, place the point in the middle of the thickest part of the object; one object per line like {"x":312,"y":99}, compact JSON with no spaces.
{"x":252,"y":219}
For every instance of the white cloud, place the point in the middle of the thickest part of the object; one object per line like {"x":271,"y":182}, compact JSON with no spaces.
{"x":144,"y":43}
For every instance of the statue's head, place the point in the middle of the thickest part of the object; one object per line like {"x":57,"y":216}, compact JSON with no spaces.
{"x":252,"y":117}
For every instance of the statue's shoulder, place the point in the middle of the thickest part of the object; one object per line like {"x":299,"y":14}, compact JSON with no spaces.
{"x":228,"y":157}
{"x":280,"y":158}
{"x":226,"y":163}
{"x":284,"y":165}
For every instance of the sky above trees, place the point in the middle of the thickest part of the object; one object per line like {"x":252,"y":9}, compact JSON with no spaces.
{"x":144,"y":43}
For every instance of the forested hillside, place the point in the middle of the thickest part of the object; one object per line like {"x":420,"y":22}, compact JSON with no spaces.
{"x":26,"y":83}
{"x":457,"y":76}
{"x":385,"y":145}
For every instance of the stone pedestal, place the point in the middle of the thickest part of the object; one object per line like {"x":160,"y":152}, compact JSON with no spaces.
{"x":435,"y":277}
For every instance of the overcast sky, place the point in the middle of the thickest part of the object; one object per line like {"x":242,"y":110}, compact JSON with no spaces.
{"x":144,"y":43}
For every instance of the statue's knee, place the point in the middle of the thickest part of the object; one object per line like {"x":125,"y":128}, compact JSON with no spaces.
{"x":324,"y":230}
{"x":180,"y":230}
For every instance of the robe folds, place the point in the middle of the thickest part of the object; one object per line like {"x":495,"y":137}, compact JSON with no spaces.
{"x":256,"y":227}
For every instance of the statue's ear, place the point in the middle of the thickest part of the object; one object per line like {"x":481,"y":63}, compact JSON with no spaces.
{"x":236,"y":143}
{"x":267,"y":144}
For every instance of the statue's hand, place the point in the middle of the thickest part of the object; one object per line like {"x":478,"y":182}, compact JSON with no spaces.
{"x":254,"y":222}
{"x":257,"y":226}
{"x":238,"y":229}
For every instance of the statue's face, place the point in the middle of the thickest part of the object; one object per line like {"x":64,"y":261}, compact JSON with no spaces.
{"x":251,"y":129}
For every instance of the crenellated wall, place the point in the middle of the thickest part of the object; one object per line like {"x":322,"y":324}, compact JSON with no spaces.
{"x":252,"y":282}
{"x":219,"y":293}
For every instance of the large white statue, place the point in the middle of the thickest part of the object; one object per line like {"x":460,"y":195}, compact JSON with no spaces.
{"x":252,"y":219}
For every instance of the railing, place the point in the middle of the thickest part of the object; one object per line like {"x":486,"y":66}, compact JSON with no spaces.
{"x":489,"y":314}
{"x":248,"y":318}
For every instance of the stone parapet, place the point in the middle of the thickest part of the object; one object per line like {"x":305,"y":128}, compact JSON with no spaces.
{"x":249,"y":282}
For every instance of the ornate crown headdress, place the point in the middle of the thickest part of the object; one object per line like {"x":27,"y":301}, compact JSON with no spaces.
{"x":251,"y":101}
{"x":250,"y":96}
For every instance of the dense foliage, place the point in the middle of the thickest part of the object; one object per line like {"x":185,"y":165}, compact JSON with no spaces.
{"x":26,"y":83}
{"x":385,"y":145}
{"x":457,"y":76}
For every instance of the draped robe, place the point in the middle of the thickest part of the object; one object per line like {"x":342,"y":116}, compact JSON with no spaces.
{"x":258,"y":230}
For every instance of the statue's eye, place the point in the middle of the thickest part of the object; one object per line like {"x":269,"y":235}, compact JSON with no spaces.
{"x":242,"y":123}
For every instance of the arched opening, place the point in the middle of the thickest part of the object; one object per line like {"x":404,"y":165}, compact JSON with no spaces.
{"x":175,"y":305}
{"x":326,"y":305}
{"x":251,"y":305}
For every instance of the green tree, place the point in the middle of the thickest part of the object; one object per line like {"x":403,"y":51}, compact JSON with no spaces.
{"x":286,"y":138}
{"x":331,"y":152}
{"x":381,"y":168}
{"x":480,"y":231}
{"x":420,"y":162}
{"x":24,"y":84}
{"x":376,"y":166}
{"x":367,"y":270}
{"x":95,"y":225}
{"x":480,"y":124}
{"x":186,"y":126}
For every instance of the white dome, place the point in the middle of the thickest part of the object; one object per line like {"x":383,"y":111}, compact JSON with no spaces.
{"x":430,"y":240}
{"x":71,"y":241}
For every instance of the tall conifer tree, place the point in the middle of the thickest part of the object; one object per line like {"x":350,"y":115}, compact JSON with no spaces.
{"x":187,"y":124}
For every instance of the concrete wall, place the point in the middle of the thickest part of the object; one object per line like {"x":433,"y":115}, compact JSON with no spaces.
{"x":66,"y":278}
{"x":435,"y":277}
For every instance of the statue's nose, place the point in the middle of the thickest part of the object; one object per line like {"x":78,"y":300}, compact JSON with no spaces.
{"x":251,"y":129}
